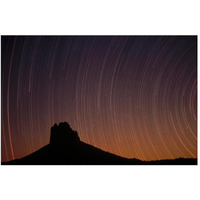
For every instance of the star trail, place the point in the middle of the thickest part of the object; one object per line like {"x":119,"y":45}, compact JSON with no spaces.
{"x":135,"y":96}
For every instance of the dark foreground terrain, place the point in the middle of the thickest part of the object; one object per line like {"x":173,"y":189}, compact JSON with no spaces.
{"x":65,"y":148}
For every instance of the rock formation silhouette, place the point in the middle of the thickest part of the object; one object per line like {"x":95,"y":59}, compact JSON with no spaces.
{"x":66,"y":148}
{"x":63,"y":136}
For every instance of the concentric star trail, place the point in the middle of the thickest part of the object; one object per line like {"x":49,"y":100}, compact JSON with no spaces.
{"x":135,"y":96}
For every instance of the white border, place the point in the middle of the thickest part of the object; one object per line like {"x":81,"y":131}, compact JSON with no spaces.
{"x":108,"y":18}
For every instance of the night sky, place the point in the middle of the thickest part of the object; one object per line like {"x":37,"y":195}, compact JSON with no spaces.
{"x":135,"y":96}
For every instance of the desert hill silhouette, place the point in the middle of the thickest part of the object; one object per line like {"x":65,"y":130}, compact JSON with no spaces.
{"x":66,"y":148}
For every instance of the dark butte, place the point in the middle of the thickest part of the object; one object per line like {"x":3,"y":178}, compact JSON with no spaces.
{"x":66,"y":148}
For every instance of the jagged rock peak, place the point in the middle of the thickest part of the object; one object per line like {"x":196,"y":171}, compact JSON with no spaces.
{"x":63,"y":134}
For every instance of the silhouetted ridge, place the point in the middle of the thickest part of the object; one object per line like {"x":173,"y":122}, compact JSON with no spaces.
{"x":63,"y":135}
{"x":65,"y":148}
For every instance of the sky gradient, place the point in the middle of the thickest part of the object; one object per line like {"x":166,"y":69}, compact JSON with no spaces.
{"x":135,"y":96}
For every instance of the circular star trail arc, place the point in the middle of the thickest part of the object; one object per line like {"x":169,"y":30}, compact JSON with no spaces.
{"x":135,"y":96}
